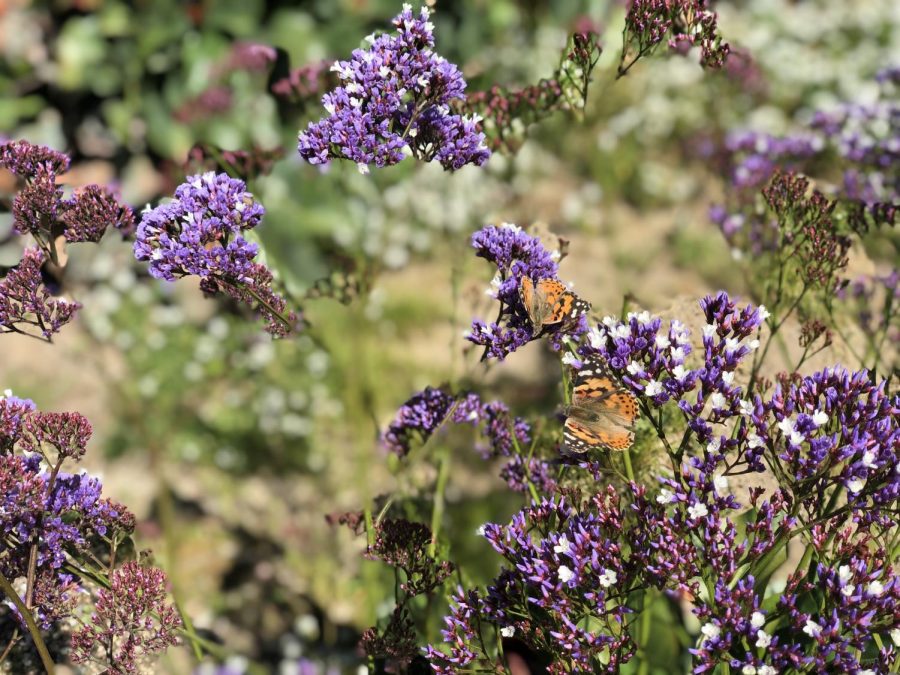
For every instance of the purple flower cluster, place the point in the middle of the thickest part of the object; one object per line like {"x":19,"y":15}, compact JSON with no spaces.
{"x":396,"y":95}
{"x":46,"y":515}
{"x":503,"y":435}
{"x":686,"y":23}
{"x":516,"y":254}
{"x":26,"y":306}
{"x":200,"y":233}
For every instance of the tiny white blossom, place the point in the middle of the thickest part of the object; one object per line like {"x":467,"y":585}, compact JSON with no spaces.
{"x":755,"y":441}
{"x":764,"y":313}
{"x":754,"y":345}
{"x":844,"y":573}
{"x":7,"y":393}
{"x":820,"y":418}
{"x":787,"y":426}
{"x":710,"y":630}
{"x":718,"y":400}
{"x":508,"y":631}
{"x":596,"y":339}
{"x":698,"y":510}
{"x":796,"y":438}
{"x":732,"y":345}
{"x":665,"y":496}
{"x":678,"y":354}
{"x":847,"y":590}
{"x":653,"y":388}
{"x":812,"y":628}
{"x":563,"y":545}
{"x":643,"y":318}
{"x":679,"y":372}
{"x":746,"y":407}
{"x":856,"y":485}
{"x":565,"y":574}
{"x":511,"y":226}
{"x":714,"y":445}
{"x":728,"y":377}
{"x":709,"y":330}
{"x":867,"y":671}
{"x":635,"y":368}
{"x":363,"y":168}
{"x":766,"y":670}
{"x":608,"y":578}
{"x":662,"y":341}
{"x":621,"y":331}
{"x":875,"y":588}
{"x":480,"y":530}
{"x":610,"y":321}
{"x":570,"y":359}
{"x":748,"y":670}
{"x":757,"y":619}
{"x":720,"y":484}
{"x":868,"y":459}
{"x":763,"y":639}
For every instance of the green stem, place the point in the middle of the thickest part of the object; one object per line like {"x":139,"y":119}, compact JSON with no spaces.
{"x":437,"y":512}
{"x":33,"y":629}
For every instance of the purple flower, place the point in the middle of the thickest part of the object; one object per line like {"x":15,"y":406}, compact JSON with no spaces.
{"x":89,"y":213}
{"x":200,"y":233}
{"x":26,"y":160}
{"x":26,"y":306}
{"x":395,"y":95}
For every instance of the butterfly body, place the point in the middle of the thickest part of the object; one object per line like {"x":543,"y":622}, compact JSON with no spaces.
{"x":602,"y":413}
{"x":549,"y":303}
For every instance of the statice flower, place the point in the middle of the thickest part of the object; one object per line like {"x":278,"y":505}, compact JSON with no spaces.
{"x":396,"y":95}
{"x":516,"y":255}
{"x":91,"y":211}
{"x":201,"y":232}
{"x":837,"y":430}
{"x":13,"y":411}
{"x":131,"y":621}
{"x":681,"y":23}
{"x":26,"y":306}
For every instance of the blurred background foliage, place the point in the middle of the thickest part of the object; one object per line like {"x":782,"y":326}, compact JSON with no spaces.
{"x":231,"y":447}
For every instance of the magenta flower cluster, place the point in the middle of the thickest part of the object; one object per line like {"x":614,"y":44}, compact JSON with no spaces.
{"x":395,"y":96}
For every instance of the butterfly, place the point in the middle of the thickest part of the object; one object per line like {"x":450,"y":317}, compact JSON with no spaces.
{"x":549,"y":303}
{"x":602,"y":413}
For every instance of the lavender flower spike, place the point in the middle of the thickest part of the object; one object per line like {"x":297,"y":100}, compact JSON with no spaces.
{"x":396,"y":95}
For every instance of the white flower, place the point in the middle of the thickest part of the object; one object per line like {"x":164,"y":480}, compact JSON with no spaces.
{"x":796,"y":438}
{"x":678,"y":354}
{"x":844,"y":573}
{"x":847,"y":590}
{"x":665,"y":496}
{"x":714,"y":445}
{"x":621,"y":331}
{"x":787,"y":426}
{"x":570,"y":359}
{"x":867,"y":671}
{"x":597,"y":339}
{"x":875,"y":588}
{"x":635,"y":368}
{"x":697,"y":510}
{"x":757,"y":619}
{"x":643,"y":318}
{"x":728,"y":377}
{"x":748,"y":670}
{"x":610,"y":321}
{"x":868,"y":459}
{"x":363,"y":168}
{"x":480,"y":530}
{"x":763,"y":639}
{"x":746,"y":407}
{"x":608,"y":578}
{"x":709,"y":330}
{"x":819,"y":418}
{"x":856,"y":485}
{"x":720,"y":485}
{"x":679,"y":372}
{"x":764,"y":313}
{"x":653,"y":388}
{"x":732,"y":345}
{"x":563,"y":545}
{"x":812,"y":628}
{"x":754,"y":345}
{"x":718,"y":400}
{"x":565,"y":574}
{"x":755,"y":441}
{"x":508,"y":631}
{"x":7,"y":393}
{"x":766,"y":670}
{"x":662,"y":341}
{"x":511,"y":226}
{"x":710,"y":630}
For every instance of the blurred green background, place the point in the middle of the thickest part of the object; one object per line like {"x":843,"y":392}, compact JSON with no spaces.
{"x":231,"y":448}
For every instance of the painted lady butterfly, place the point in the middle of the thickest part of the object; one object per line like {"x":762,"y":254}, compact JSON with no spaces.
{"x":602,"y":413}
{"x":549,"y":303}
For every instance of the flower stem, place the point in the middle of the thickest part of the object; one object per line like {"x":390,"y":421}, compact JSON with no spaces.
{"x":33,"y":629}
